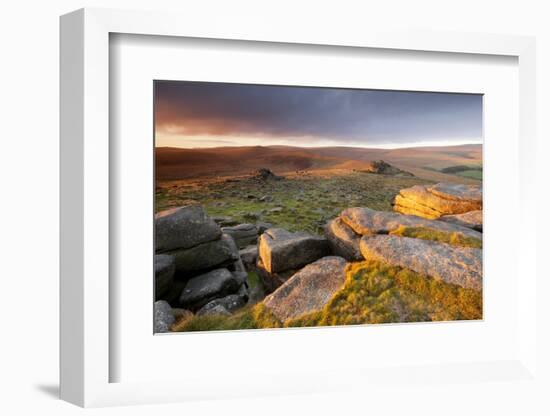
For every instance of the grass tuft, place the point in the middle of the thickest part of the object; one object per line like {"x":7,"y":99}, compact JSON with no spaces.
{"x":251,"y":317}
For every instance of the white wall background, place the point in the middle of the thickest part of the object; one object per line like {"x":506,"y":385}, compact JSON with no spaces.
{"x":29,"y":182}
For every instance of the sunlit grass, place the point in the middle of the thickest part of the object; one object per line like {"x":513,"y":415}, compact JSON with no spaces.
{"x":250,"y":317}
{"x":424,"y":233}
{"x":378,"y":293}
{"x":307,"y":202}
{"x":373,"y":293}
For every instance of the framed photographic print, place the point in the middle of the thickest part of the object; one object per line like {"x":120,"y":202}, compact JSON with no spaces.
{"x":305,"y":214}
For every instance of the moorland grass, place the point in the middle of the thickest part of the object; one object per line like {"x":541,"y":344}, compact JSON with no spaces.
{"x":424,"y":233}
{"x":467,"y":171}
{"x":304,"y":203}
{"x":472,"y":174}
{"x":250,"y":317}
{"x":374,"y":293}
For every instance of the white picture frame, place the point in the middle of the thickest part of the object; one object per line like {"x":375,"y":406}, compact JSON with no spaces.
{"x":86,"y":355}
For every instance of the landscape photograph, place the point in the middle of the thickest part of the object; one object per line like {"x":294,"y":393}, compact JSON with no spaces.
{"x":291,"y":206}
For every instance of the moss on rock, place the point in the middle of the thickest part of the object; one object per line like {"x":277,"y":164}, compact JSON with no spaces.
{"x":378,"y":293}
{"x":425,"y":233}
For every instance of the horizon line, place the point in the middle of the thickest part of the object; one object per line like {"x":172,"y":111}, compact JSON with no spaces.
{"x":374,"y":147}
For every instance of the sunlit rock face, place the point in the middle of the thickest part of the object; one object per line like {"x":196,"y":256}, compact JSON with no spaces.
{"x":461,"y":266}
{"x":366,"y":221}
{"x":433,"y":201}
{"x":309,"y":289}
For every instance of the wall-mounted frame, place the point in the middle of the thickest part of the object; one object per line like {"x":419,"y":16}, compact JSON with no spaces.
{"x":90,"y":362}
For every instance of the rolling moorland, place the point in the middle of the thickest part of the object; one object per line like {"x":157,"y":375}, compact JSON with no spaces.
{"x":440,"y":164}
{"x":246,"y":192}
{"x":319,"y":182}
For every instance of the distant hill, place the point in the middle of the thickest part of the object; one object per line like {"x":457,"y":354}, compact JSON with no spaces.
{"x":424,"y":162}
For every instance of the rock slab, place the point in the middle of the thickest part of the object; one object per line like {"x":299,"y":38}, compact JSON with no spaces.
{"x":243,"y":234}
{"x":281,"y":250}
{"x":205,"y":256}
{"x":343,"y":241}
{"x":433,"y":201}
{"x":184,"y":227}
{"x":460,"y":266}
{"x":229,"y":303}
{"x":366,"y":221}
{"x":472,"y":219}
{"x":457,"y":192}
{"x":206,"y":287}
{"x":308,"y":290}
{"x":272,"y":281}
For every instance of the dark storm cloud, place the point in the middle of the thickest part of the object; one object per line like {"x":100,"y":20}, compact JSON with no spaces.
{"x":341,"y":115}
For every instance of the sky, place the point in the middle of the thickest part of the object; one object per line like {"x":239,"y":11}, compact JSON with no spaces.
{"x":203,"y":114}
